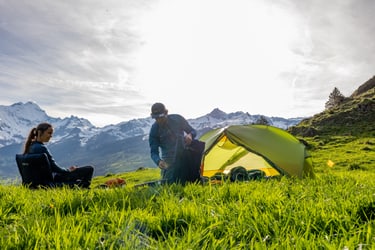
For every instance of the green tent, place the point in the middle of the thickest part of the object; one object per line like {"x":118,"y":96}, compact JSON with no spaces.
{"x":255,"y":147}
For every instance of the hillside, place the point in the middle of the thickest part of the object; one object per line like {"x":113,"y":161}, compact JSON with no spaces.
{"x":355,"y":116}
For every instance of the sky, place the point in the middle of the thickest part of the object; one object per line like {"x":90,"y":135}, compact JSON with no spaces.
{"x":109,"y":61}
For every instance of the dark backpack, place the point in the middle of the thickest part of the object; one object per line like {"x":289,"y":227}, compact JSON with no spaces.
{"x":189,"y":171}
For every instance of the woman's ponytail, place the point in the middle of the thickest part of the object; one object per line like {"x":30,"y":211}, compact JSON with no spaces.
{"x":29,"y":140}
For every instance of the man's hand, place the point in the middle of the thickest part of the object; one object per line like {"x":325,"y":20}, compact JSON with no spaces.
{"x":163,"y":164}
{"x":188,"y":139}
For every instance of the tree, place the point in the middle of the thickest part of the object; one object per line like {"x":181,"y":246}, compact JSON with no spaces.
{"x":334,"y":99}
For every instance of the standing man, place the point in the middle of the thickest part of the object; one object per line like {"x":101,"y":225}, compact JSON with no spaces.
{"x":170,"y":133}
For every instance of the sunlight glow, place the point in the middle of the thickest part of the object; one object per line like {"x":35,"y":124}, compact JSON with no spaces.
{"x":216,"y":48}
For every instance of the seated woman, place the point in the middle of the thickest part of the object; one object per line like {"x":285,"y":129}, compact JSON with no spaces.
{"x":80,"y":176}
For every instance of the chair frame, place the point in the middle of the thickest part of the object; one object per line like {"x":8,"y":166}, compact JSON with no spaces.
{"x":35,"y":170}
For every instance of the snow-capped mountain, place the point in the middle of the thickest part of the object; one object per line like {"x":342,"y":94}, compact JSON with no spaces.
{"x":219,"y":119}
{"x":114,"y":148}
{"x":17,"y":120}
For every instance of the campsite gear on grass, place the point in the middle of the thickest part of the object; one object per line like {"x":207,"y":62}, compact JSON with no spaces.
{"x":113,"y":183}
{"x":238,"y":174}
{"x":254,"y":147}
{"x":151,"y":183}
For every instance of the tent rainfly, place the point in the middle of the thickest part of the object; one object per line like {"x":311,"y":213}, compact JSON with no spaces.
{"x":255,"y":147}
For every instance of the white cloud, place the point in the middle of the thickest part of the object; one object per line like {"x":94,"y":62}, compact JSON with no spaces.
{"x":113,"y":59}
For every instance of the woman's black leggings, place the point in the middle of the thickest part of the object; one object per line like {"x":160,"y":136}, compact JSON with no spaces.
{"x":81,"y":177}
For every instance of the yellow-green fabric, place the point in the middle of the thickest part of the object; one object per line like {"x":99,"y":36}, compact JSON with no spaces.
{"x":267,"y":148}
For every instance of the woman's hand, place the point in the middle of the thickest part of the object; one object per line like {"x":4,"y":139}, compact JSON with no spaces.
{"x":72,"y":168}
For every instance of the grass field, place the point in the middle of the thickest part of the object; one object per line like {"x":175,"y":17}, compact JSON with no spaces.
{"x":336,"y":210}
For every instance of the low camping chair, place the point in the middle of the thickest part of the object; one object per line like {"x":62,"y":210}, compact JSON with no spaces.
{"x":35,"y":170}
